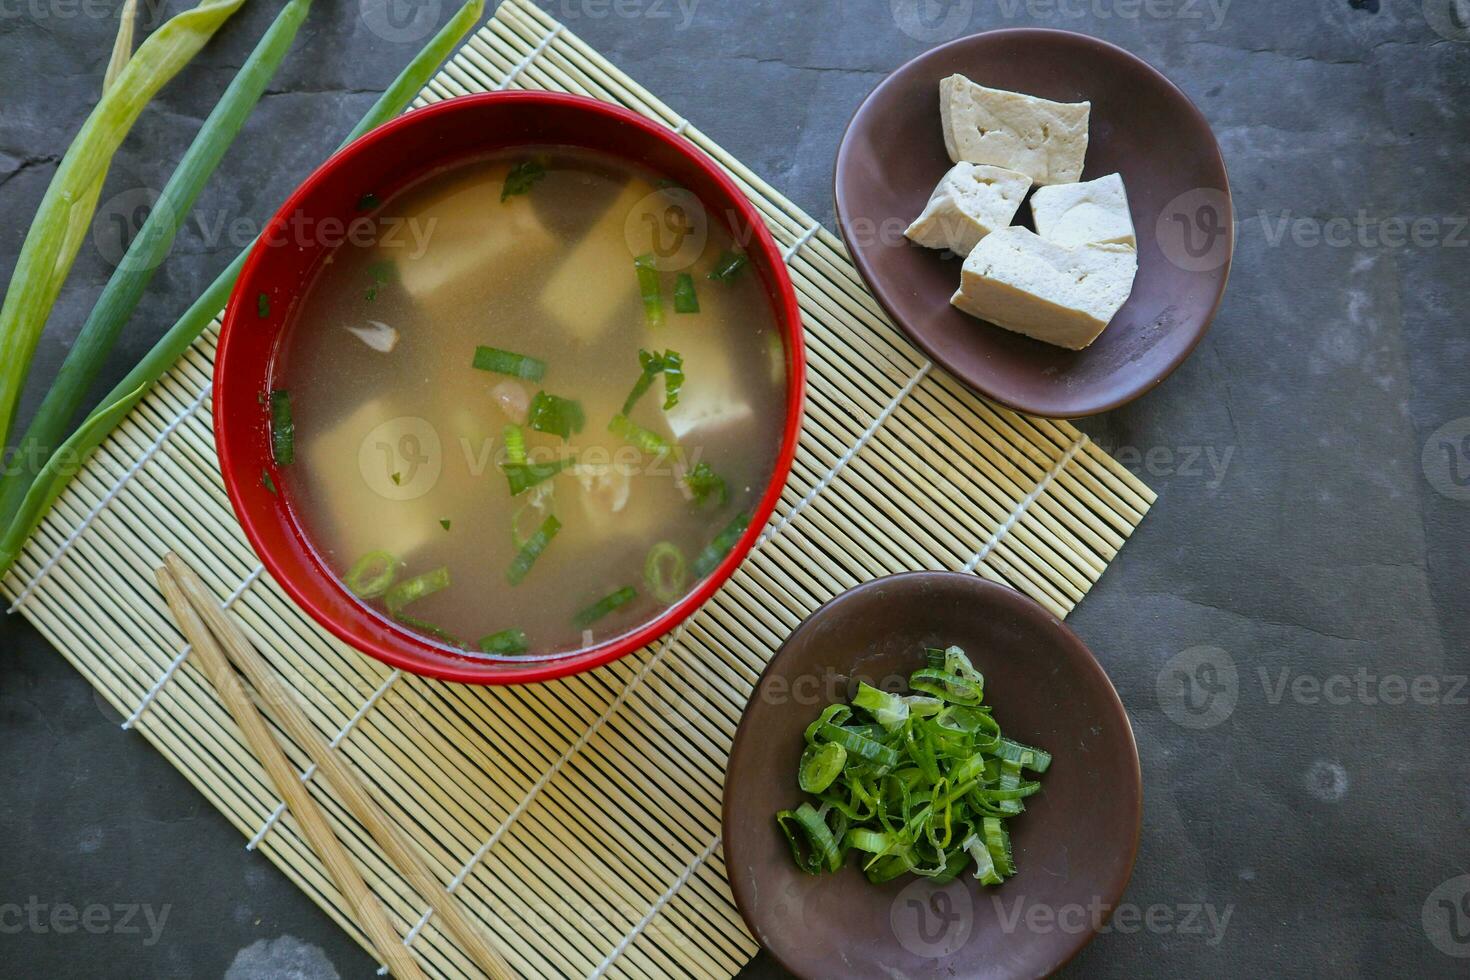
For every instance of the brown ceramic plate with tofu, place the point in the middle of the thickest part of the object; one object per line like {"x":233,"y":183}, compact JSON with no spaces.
{"x":1141,"y":126}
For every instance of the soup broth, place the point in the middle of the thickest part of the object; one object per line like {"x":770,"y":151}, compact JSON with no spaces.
{"x":509,"y":429}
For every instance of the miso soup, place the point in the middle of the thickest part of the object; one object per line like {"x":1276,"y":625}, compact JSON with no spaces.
{"x":537,"y":409}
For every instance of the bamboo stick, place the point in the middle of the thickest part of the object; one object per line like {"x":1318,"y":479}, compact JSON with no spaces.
{"x":298,"y":798}
{"x":401,"y":851}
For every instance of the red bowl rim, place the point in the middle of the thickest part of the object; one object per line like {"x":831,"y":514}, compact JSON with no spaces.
{"x":402,"y":649}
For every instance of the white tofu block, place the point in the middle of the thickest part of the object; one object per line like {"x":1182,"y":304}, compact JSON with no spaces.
{"x":1094,"y":212}
{"x":970,"y":202}
{"x":1044,"y":140}
{"x":595,"y":280}
{"x":711,"y":404}
{"x":1063,"y":296}
{"x":463,"y":240}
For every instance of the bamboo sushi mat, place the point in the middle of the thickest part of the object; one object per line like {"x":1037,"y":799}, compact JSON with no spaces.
{"x":578,"y":820}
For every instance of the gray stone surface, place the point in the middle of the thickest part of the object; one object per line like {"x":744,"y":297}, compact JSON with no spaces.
{"x":1309,"y":531}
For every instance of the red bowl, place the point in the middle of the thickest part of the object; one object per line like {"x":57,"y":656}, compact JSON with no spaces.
{"x":281,"y":266}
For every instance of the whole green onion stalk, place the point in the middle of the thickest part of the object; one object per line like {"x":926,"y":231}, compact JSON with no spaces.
{"x":121,"y":295}
{"x":65,"y":461}
{"x":55,"y":235}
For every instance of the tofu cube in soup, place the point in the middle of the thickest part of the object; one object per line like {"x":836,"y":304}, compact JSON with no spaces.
{"x":467,"y":240}
{"x":1044,"y":140}
{"x":586,"y":305}
{"x":971,"y":201}
{"x":1092,"y":212}
{"x":1026,"y":284}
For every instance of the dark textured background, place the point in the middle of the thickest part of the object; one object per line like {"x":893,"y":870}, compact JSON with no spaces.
{"x":1327,"y":539}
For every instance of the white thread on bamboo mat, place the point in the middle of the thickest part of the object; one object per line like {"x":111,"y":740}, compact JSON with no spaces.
{"x":107,"y":497}
{"x":795,"y":246}
{"x":1026,"y":502}
{"x":310,"y":770}
{"x":657,"y":907}
{"x":178,"y":661}
{"x":529,"y":59}
{"x":847,"y":457}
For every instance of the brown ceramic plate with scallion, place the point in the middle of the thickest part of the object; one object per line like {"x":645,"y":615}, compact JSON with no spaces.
{"x":1053,"y":833}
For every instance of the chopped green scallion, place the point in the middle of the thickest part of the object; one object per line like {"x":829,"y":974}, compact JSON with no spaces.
{"x":283,"y":429}
{"x":424,"y":626}
{"x":520,"y":565}
{"x":911,"y":783}
{"x":670,"y":364}
{"x":381,"y":272}
{"x":556,"y":415}
{"x":524,"y":476}
{"x":665,"y":572}
{"x":515,"y":444}
{"x":521,"y":366}
{"x":262,"y":305}
{"x":686,"y":300}
{"x":267,"y":482}
{"x":507,"y":642}
{"x":603,"y":606}
{"x":728,"y":265}
{"x":414,"y":589}
{"x":716,"y":550}
{"x":649,"y":290}
{"x":522,"y":178}
{"x":372,"y":574}
{"x":706,"y":485}
{"x":635,"y":435}
{"x":368,"y":202}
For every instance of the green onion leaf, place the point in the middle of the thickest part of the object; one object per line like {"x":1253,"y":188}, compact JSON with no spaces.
{"x":520,"y":565}
{"x":706,"y":485}
{"x":716,"y":550}
{"x":521,"y":179}
{"x":368,"y":202}
{"x":521,"y":366}
{"x":283,"y":429}
{"x":59,"y":468}
{"x":665,"y":572}
{"x":51,"y":244}
{"x":515,"y":444}
{"x":372,"y":574}
{"x":924,"y":789}
{"x":728,"y":265}
{"x":267,"y":482}
{"x":507,"y":642}
{"x":416,"y":588}
{"x":603,"y":606}
{"x":381,"y":272}
{"x":635,"y":435}
{"x":649,"y":291}
{"x":816,"y":849}
{"x":820,"y":765}
{"x":670,"y":364}
{"x":424,"y":626}
{"x":685,"y":299}
{"x":262,"y":306}
{"x":444,"y":523}
{"x":556,"y":415}
{"x":524,"y":476}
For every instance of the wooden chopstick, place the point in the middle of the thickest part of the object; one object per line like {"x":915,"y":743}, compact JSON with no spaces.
{"x":207,"y":654}
{"x":401,"y":851}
